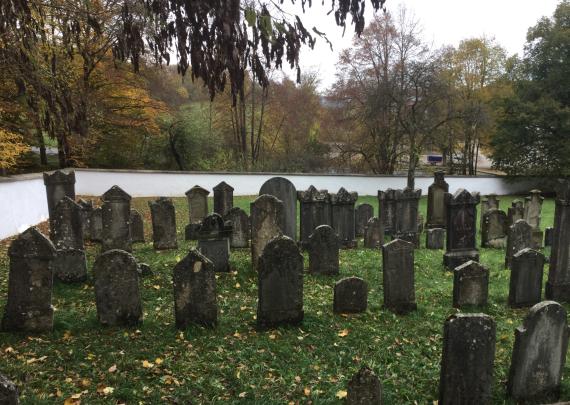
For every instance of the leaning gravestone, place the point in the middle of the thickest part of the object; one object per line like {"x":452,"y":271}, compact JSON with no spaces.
{"x":285,"y":191}
{"x":525,"y":286}
{"x":8,"y":392}
{"x":539,"y":355}
{"x":470,"y":285}
{"x":407,"y":204}
{"x":267,"y":221}
{"x":280,"y":284}
{"x":58,"y":185}
{"x":435,"y":238}
{"x":194,"y":281}
{"x":30,"y":282}
{"x":342,"y":211}
{"x":163,"y":218}
{"x":115,"y":216}
{"x":86,"y":212}
{"x":362,"y":214}
{"x":96,"y":225}
{"x":323,"y":251}
{"x":387,"y":210}
{"x":467,"y":360}
{"x":487,"y":203}
{"x":197,"y":210}
{"x":241,"y":227}
{"x":315,"y":206}
{"x":214,"y":243}
{"x":436,"y":201}
{"x":137,"y":227}
{"x":350,"y":296}
{"x":374,"y":233}
{"x":494,"y":229}
{"x":398,"y":276}
{"x":364,"y":388}
{"x":117,"y":293}
{"x":519,"y":238}
{"x":558,"y":284}
{"x":532,"y":211}
{"x":223,"y":198}
{"x":515,"y":212}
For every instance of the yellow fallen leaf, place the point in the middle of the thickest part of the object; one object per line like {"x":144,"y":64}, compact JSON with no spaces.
{"x":297,"y":379}
{"x":71,"y":401}
{"x":85,"y":382}
{"x":147,"y":364}
{"x":242,"y":394}
{"x":307,"y":391}
{"x":158,"y":361}
{"x":112,"y":369}
{"x":108,"y":390}
{"x":9,"y":350}
{"x":237,"y":285}
{"x":156,"y":287}
{"x":343,"y":333}
{"x":272,"y":337}
{"x":341,"y":394}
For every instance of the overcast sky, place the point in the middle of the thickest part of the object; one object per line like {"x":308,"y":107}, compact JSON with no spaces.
{"x":443,"y":22}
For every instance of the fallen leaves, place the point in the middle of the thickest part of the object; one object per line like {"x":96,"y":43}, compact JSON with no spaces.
{"x":341,"y":394}
{"x":112,"y":369}
{"x":343,"y":333}
{"x":147,"y":364}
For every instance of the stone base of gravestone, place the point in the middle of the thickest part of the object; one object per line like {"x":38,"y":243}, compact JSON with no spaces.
{"x":70,"y":266}
{"x":548,"y":236}
{"x":364,"y":388}
{"x":537,"y":238}
{"x":451,"y":260}
{"x":435,"y":238}
{"x":218,"y":251}
{"x":350,"y":296}
{"x":191,"y":231}
{"x":412,"y":237}
{"x":8,"y":392}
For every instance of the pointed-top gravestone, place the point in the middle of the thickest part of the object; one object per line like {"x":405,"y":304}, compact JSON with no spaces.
{"x":116,"y":193}
{"x":558,"y":284}
{"x":197,"y":210}
{"x":470,"y":285}
{"x":364,"y":388}
{"x":350,"y":296}
{"x":362,"y":214}
{"x":116,"y":215}
{"x":286,"y":192}
{"x":387,"y":210}
{"x":241,"y":227}
{"x":267,"y":221}
{"x":494,"y":229}
{"x":519,"y":238}
{"x":137,"y":227}
{"x":323,"y":251}
{"x":315,"y":206}
{"x":8,"y":392}
{"x":436,"y":201}
{"x":163,"y":218}
{"x":70,"y":264}
{"x":223,"y":198}
{"x":515,"y":212}
{"x":525,"y":285}
{"x":342,"y":211}
{"x":374,"y":233}
{"x":58,"y":184}
{"x":398,"y":276}
{"x":407,"y":205}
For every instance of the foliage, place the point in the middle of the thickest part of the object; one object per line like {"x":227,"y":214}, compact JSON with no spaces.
{"x":11,"y":146}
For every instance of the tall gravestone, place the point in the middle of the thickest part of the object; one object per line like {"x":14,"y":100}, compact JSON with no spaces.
{"x":467,"y":360}
{"x":494,"y":229}
{"x":374,"y":233}
{"x":532,"y":212}
{"x":96,"y":225}
{"x":398,"y":276}
{"x":86,"y":212}
{"x":115,"y":217}
{"x":280,"y":284}
{"x":525,"y":286}
{"x":197,"y":210}
{"x":539,"y":355}
{"x":407,"y":205}
{"x":558,"y":284}
{"x":487,"y":203}
{"x":519,"y":238}
{"x":214,"y":243}
{"x":364,"y":388}
{"x":461,"y":210}
{"x":30,"y":282}
{"x":362,"y":214}
{"x":286,"y":192}
{"x":515,"y":211}
{"x":194,"y":282}
{"x":9,"y":394}
{"x":241,"y":227}
{"x":58,"y":185}
{"x":223,"y":198}
{"x":323,"y":251}
{"x":137,"y":227}
{"x":315,"y":206}
{"x":470,"y":285}
{"x":117,"y":294}
{"x":342,"y":211}
{"x":350,"y":296}
{"x":387,"y":210}
{"x":436,"y":201}
{"x":163,"y":216}
{"x":267,"y":221}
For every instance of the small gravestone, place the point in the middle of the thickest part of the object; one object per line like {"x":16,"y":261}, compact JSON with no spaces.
{"x":194,"y":283}
{"x":519,"y":238}
{"x":241,"y":228}
{"x":525,"y":286}
{"x":86,"y":212}
{"x":515,"y":211}
{"x":163,"y":216}
{"x":364,"y":388}
{"x":532,"y":211}
{"x":548,"y":234}
{"x":96,"y":225}
{"x":267,"y":221}
{"x":487,"y":203}
{"x":342,"y":211}
{"x":117,"y":293}
{"x":137,"y":227}
{"x":407,"y":205}
{"x":398,"y":276}
{"x":197,"y":210}
{"x":420,"y":225}
{"x":223,"y":198}
{"x":116,"y":216}
{"x":436,"y":201}
{"x":374,"y":233}
{"x":467,"y":360}
{"x":470,"y":285}
{"x":539,"y":354}
{"x":286,"y":192}
{"x":280,"y":284}
{"x":350,"y":296}
{"x":30,"y":282}
{"x":213,"y":241}
{"x":8,"y":392}
{"x":362,"y":214}
{"x":558,"y":284}
{"x":494,"y":229}
{"x":435,"y":238}
{"x":58,"y":185}
{"x":323,"y":251}
{"x":315,"y":207}
{"x":387,"y":210}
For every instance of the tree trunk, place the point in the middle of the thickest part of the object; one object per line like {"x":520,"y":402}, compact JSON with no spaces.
{"x":42,"y":145}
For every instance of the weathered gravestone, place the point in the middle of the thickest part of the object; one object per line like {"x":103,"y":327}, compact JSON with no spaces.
{"x":350,"y":296}
{"x":117,"y":295}
{"x":387,"y":210}
{"x":362,"y":214}
{"x":364,"y":388}
{"x":548,"y":236}
{"x":525,"y":285}
{"x":487,"y":203}
{"x":197,"y":210}
{"x":96,"y":225}
{"x":267,"y":221}
{"x":280,"y":284}
{"x":539,"y":354}
{"x":515,"y":212}
{"x":30,"y":282}
{"x":241,"y":227}
{"x":86,"y":212}
{"x":398,"y":276}
{"x":285,"y":191}
{"x":163,"y":218}
{"x":374,"y":233}
{"x":494,"y":229}
{"x":315,"y":206}
{"x":342,"y":211}
{"x":467,"y":360}
{"x":137,"y":227}
{"x":58,"y":185}
{"x":532,"y":211}
{"x":407,"y":203}
{"x":436,"y":201}
{"x":461,"y":209}
{"x":558,"y":284}
{"x":323,"y":251}
{"x":435,"y":238}
{"x":223,"y":198}
{"x":470,"y":285}
{"x":194,"y":281}
{"x":519,"y":238}
{"x":213,"y":241}
{"x":115,"y":216}
{"x":8,"y":392}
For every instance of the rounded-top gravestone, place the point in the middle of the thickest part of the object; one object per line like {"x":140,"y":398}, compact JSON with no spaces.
{"x":285,"y":191}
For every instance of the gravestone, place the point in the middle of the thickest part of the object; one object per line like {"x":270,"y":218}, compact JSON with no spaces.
{"x":487,"y":203}
{"x":407,"y":204}
{"x":420,"y":224}
{"x":280,"y":284}
{"x":30,"y":281}
{"x":137,"y":227}
{"x":470,"y":285}
{"x":364,"y":388}
{"x":267,"y":221}
{"x":435,"y":238}
{"x":285,"y":191}
{"x":58,"y":185}
{"x":532,"y":211}
{"x":515,"y":212}
{"x":214,"y":243}
{"x":539,"y":354}
{"x":115,"y":217}
{"x":86,"y":212}
{"x":519,"y":238}
{"x":387,"y":210}
{"x":194,"y":282}
{"x":467,"y":360}
{"x":398,"y":276}
{"x":197,"y":210}
{"x":8,"y":392}
{"x":223,"y":198}
{"x":374,"y":233}
{"x":96,"y":225}
{"x":494,"y":229}
{"x":117,"y":295}
{"x":548,"y":236}
{"x":362,"y":214}
{"x":70,"y":265}
{"x":461,"y":210}
{"x":342,"y":206}
{"x":436,"y":201}
{"x":323,"y":251}
{"x":350,"y":296}
{"x":241,"y":228}
{"x":315,"y":206}
{"x":163,"y":218}
{"x":558,"y":284}
{"x":525,"y":285}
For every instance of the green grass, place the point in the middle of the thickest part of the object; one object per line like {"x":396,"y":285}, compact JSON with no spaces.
{"x":234,"y":362}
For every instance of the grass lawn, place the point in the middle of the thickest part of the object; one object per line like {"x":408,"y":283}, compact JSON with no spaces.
{"x":155,"y":363}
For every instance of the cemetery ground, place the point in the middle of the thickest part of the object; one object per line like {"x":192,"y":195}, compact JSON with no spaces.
{"x":156,"y":363}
